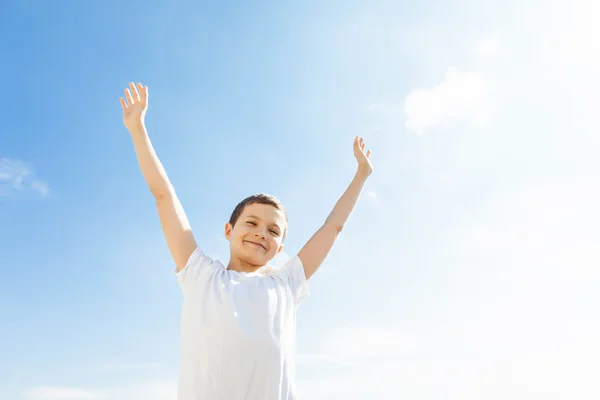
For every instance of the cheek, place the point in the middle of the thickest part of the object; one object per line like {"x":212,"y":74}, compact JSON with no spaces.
{"x":240,"y":230}
{"x":274,"y":243}
{"x":238,"y":235}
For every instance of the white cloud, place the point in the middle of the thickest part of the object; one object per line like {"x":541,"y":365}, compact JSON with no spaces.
{"x":142,"y":391}
{"x":506,"y":310}
{"x":461,"y":96}
{"x":145,"y":391}
{"x":554,"y":223}
{"x":376,"y":107}
{"x":437,"y":365}
{"x":13,"y":172}
{"x":488,"y":47}
{"x":41,"y":187}
{"x":372,"y":195}
{"x":545,"y":378}
{"x":62,"y":393}
{"x":360,"y":342}
{"x":128,"y":367}
{"x":16,"y":175}
{"x":323,"y":358}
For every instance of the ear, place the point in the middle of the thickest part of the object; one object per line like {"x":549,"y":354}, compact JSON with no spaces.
{"x":279,"y":249}
{"x":228,"y":229}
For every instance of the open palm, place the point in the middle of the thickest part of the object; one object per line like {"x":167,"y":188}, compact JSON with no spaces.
{"x":134,"y":109}
{"x":362,"y":156}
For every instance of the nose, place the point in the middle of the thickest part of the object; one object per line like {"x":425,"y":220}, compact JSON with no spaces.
{"x":259,"y":234}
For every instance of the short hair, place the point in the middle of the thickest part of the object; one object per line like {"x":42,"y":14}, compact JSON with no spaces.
{"x":260,"y":198}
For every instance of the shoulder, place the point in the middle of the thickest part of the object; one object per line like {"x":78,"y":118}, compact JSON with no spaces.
{"x":197,"y":266}
{"x":285,"y":268}
{"x":292,"y":274}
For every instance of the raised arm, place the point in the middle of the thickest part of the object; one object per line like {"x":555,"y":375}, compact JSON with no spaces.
{"x":316,"y":249}
{"x":173,"y":220}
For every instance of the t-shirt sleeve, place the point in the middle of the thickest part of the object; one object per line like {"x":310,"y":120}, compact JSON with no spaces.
{"x":199,"y":266}
{"x":293,"y":273}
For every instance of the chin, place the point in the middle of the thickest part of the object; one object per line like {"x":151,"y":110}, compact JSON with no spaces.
{"x":254,"y":260}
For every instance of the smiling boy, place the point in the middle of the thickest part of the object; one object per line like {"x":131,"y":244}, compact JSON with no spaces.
{"x":238,"y":323}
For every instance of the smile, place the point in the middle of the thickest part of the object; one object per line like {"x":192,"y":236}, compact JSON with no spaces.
{"x":256,"y":244}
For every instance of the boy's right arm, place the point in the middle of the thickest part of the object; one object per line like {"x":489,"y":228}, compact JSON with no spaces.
{"x":173,"y":220}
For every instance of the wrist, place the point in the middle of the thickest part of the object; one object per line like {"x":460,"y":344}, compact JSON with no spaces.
{"x":363,"y":173}
{"x":136,"y":126}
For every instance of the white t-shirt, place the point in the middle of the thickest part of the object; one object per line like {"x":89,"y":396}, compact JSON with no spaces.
{"x":238,"y":330}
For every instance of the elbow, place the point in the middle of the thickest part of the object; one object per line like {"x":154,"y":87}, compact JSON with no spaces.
{"x":159,"y":196}
{"x":160,"y":193}
{"x":336,"y":227}
{"x":333,"y":225}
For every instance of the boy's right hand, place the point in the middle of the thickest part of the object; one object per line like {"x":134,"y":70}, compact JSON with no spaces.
{"x":134,"y":110}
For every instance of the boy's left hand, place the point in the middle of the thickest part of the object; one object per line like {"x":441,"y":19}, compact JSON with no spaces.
{"x":362,"y":156}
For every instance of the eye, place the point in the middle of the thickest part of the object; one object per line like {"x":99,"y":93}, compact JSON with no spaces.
{"x":251,"y":223}
{"x":274,"y":232}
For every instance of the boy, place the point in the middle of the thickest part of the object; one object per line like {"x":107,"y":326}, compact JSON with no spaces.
{"x":238,"y":322}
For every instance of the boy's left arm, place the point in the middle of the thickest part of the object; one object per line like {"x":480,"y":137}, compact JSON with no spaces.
{"x":316,"y":249}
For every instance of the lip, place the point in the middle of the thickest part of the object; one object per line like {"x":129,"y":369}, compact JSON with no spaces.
{"x":256,"y":244}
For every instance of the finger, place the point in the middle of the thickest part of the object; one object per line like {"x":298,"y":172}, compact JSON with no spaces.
{"x":123,"y":104}
{"x":136,"y":95}
{"x":362,"y":145}
{"x":128,"y":97}
{"x":143,"y":90}
{"x":368,"y":153}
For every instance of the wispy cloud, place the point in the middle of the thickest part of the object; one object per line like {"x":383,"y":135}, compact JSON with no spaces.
{"x":363,"y":342}
{"x":461,"y":96}
{"x":17,"y":175}
{"x":128,"y":366}
{"x":141,"y":391}
{"x":477,"y":360}
{"x":166,"y":390}
{"x":41,"y":187}
{"x":488,"y":47}
{"x":323,"y":358}
{"x":503,"y":310}
{"x":544,"y":378}
{"x":376,"y":107}
{"x":61,"y":393}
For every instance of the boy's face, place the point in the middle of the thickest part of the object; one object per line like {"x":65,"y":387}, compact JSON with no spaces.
{"x":257,"y":236}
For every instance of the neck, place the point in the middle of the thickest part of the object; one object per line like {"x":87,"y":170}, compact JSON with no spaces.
{"x":236,"y":264}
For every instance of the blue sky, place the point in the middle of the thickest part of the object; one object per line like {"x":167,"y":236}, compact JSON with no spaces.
{"x":469,"y":269}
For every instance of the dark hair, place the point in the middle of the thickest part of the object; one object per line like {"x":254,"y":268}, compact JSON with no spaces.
{"x":260,"y":198}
